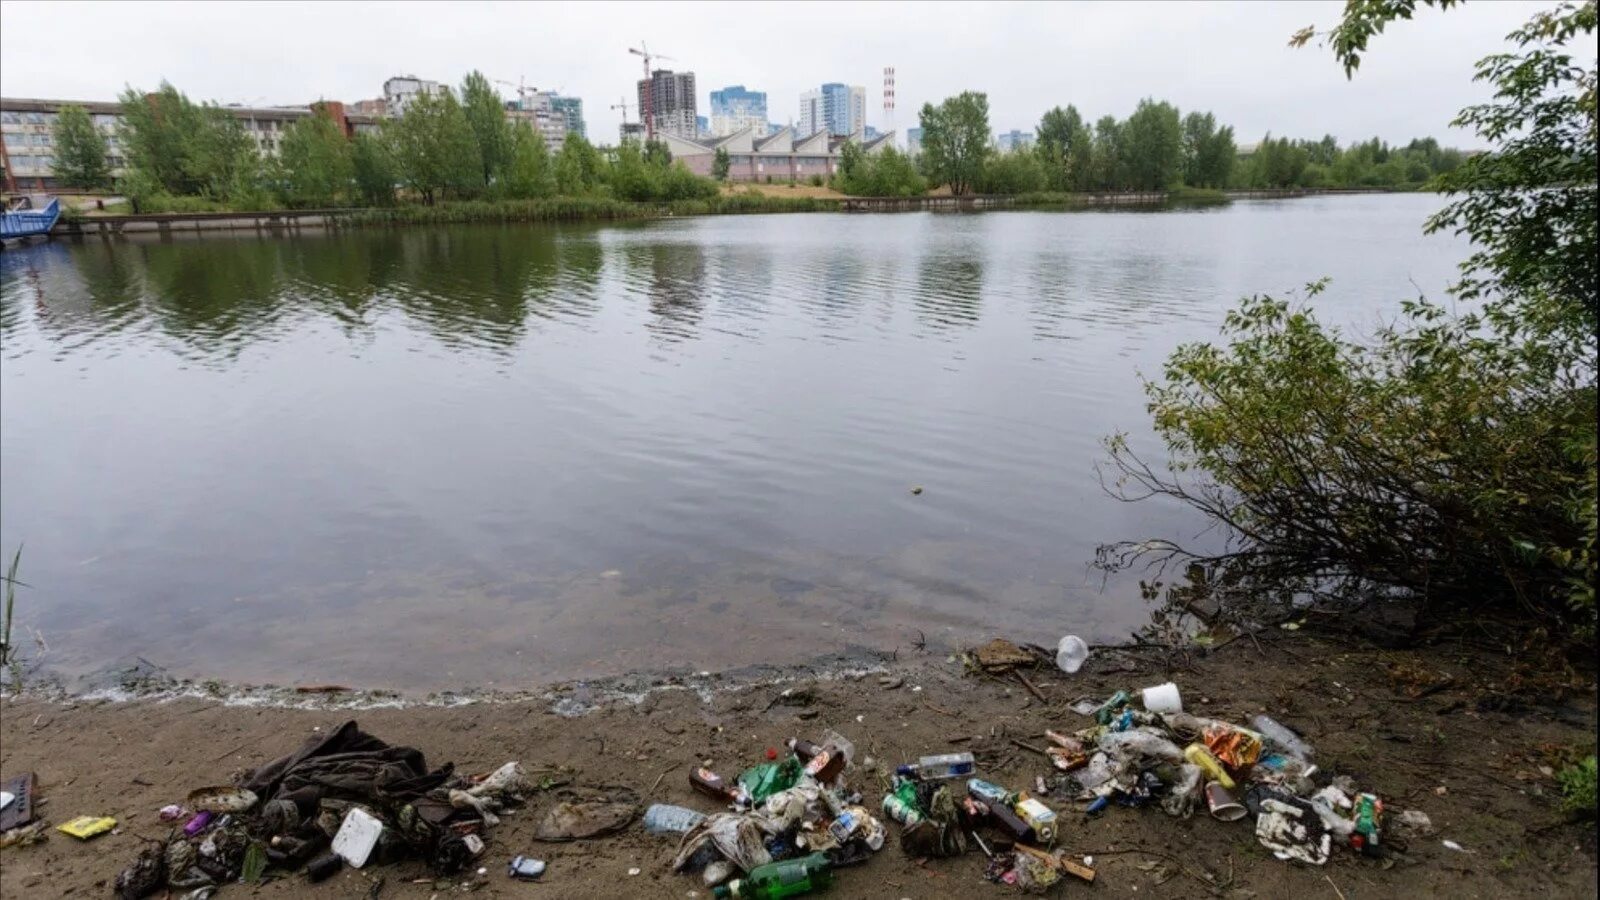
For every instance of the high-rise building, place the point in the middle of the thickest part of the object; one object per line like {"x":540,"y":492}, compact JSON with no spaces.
{"x":733,"y":108}
{"x":811,"y":119}
{"x":840,"y":109}
{"x":630,"y":131}
{"x":537,"y":108}
{"x":888,"y":99}
{"x":401,"y":91}
{"x":571,"y":109}
{"x":913,"y":140}
{"x":670,"y":98}
{"x":1014,"y":140}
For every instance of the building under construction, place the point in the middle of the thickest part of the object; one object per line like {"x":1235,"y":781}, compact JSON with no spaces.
{"x":668,"y":98}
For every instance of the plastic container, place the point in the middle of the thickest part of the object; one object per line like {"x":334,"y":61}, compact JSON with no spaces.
{"x":1163,"y":698}
{"x":357,"y":836}
{"x":1281,"y":738}
{"x":663,"y":818}
{"x":1071,"y":654}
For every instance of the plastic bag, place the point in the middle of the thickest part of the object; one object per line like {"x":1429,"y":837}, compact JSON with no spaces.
{"x":737,"y":836}
{"x":1139,"y":744}
{"x":1184,"y":793}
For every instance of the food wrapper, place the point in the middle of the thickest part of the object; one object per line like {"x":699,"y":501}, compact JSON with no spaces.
{"x":86,"y":827}
{"x":1236,"y":747}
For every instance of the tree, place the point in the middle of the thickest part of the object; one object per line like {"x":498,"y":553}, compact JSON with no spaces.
{"x":1106,"y":167}
{"x":1063,"y":145}
{"x":955,"y":140}
{"x":373,"y":168}
{"x":317,"y":162}
{"x":884,"y":173}
{"x":720,"y":163}
{"x":491,"y":131}
{"x":1153,"y":146}
{"x":578,"y":166}
{"x":532,"y":172}
{"x":80,"y":150}
{"x":1199,"y":129}
{"x":1451,"y":459}
{"x":154,"y":133}
{"x":434,"y":148}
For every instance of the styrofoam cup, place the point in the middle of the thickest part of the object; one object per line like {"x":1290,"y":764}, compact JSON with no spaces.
{"x":1163,"y":698}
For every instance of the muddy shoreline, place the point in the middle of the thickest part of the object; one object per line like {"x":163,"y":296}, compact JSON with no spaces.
{"x":1445,"y":730}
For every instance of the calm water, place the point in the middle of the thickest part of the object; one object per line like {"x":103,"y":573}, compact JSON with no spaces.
{"x":482,"y":455}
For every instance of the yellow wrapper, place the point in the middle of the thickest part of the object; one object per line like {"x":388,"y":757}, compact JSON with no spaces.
{"x":85,"y":827}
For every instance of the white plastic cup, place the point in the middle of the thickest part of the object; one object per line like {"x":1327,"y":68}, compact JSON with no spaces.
{"x":1163,"y":698}
{"x":1071,"y":654}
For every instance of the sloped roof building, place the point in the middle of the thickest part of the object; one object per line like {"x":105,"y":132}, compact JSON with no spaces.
{"x":780,"y":156}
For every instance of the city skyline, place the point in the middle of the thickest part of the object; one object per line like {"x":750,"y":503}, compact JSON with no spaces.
{"x":1101,"y":58}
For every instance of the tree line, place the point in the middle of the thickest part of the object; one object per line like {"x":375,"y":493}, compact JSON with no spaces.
{"x":1156,"y":148}
{"x":182,"y":155}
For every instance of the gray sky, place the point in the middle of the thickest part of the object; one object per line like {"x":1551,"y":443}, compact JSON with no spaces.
{"x":1230,"y":58}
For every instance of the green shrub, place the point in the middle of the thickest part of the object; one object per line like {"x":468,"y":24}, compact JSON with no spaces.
{"x":1451,"y":458}
{"x":1577,"y":788}
{"x":816,"y":181}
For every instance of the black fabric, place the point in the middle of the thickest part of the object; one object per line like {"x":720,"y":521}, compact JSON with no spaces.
{"x":347,"y":764}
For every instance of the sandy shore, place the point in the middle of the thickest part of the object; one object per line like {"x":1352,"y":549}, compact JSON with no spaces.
{"x":1472,"y":764}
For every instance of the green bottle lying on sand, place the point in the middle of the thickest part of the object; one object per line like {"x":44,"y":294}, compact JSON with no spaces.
{"x":789,"y":878}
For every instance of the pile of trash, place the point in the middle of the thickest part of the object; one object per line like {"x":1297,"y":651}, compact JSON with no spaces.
{"x":345,"y":798}
{"x":1161,"y":755}
{"x":791,"y":821}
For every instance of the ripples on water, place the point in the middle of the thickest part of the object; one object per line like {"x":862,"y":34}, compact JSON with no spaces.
{"x":446,"y":456}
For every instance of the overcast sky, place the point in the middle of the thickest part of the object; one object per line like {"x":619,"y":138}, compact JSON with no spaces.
{"x":1230,"y":58}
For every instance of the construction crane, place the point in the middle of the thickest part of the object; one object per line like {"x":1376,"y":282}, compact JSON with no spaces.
{"x":622,"y":104}
{"x":521,"y":86}
{"x":645,"y":112}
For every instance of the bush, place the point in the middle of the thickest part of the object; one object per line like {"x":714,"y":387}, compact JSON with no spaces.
{"x":1450,"y":460}
{"x":1019,"y":172}
{"x":816,"y":181}
{"x":1577,"y":789}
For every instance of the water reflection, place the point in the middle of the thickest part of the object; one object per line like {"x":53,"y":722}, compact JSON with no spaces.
{"x":949,"y":288}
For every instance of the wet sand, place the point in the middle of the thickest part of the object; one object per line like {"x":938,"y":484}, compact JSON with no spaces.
{"x":1472,"y":766}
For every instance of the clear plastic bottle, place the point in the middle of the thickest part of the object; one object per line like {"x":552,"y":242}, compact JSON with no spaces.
{"x":663,"y":818}
{"x":1281,"y":737}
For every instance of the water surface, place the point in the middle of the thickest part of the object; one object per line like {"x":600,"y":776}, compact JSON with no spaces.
{"x":495,"y":455}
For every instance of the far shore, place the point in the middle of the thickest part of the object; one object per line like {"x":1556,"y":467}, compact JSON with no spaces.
{"x":743,"y":199}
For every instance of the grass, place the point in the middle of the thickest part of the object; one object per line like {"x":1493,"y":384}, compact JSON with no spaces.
{"x":8,"y":654}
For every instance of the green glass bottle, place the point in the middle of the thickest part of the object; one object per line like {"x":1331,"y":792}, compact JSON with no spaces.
{"x":789,"y":878}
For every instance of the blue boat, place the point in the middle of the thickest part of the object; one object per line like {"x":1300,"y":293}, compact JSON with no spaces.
{"x":24,"y":223}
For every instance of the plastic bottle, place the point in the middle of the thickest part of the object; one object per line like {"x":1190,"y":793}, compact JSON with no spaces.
{"x":1071,"y":653}
{"x":900,"y":803}
{"x":774,"y":881}
{"x":1281,"y":737}
{"x":946,"y":765}
{"x":663,"y":818}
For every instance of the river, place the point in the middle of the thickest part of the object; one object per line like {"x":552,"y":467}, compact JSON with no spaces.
{"x":490,"y":456}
